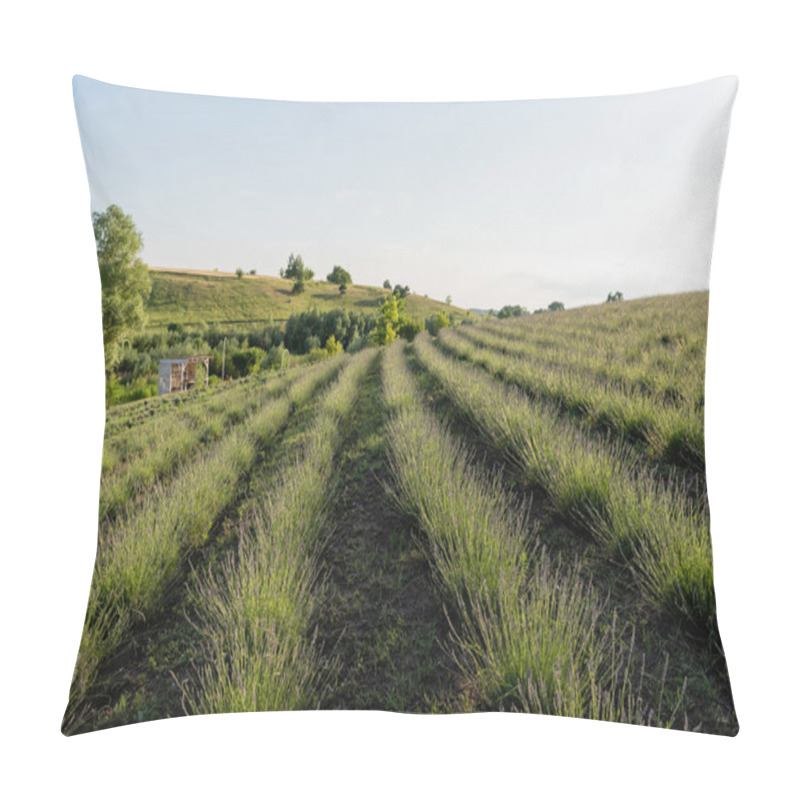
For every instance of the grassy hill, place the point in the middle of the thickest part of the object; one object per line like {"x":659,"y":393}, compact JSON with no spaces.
{"x":191,"y":296}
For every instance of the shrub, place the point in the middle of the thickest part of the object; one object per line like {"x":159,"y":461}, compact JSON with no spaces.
{"x":339,"y":275}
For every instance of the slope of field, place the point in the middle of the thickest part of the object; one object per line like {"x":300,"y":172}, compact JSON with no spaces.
{"x":470,"y":522}
{"x":189,"y":296}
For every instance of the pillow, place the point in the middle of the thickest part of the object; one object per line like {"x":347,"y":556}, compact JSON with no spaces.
{"x":405,"y":407}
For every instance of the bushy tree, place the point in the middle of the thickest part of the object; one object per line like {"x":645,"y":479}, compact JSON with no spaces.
{"x":239,"y":273}
{"x":124,"y":280}
{"x":401,"y":291}
{"x":408,"y":327}
{"x":387,"y":284}
{"x":342,"y":288}
{"x":339,"y":275}
{"x":295,"y":268}
{"x":246,"y":362}
{"x":511,"y":311}
{"x":556,"y":305}
{"x":332,"y":346}
{"x":436,"y":322}
{"x":388,"y":317}
{"x":614,"y":297}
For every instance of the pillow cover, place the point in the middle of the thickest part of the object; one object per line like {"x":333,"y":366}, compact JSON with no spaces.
{"x":405,"y":407}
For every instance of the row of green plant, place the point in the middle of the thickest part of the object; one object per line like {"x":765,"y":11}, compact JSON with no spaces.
{"x":128,"y":436}
{"x":139,"y":555}
{"x":672,"y":434}
{"x":160,"y":449}
{"x":653,"y":526}
{"x":672,"y":374}
{"x":256,"y":612}
{"x":527,"y":633}
{"x":649,"y":324}
{"x":120,"y":419}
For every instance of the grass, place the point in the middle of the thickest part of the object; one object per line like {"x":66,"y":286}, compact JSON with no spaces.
{"x":527,"y":632}
{"x":256,"y":614}
{"x":671,"y":431}
{"x":660,"y":533}
{"x":434,"y":532}
{"x":139,"y":553}
{"x":190,"y":297}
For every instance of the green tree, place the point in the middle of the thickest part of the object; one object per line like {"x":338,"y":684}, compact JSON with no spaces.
{"x":299,"y":286}
{"x":124,"y":280}
{"x":556,"y":305}
{"x":342,"y":288}
{"x":295,"y":268}
{"x":387,"y":284}
{"x":449,"y":300}
{"x":614,"y":297}
{"x":435,"y":323}
{"x":385,"y":329}
{"x":239,"y":273}
{"x":339,"y":275}
{"x":332,"y":346}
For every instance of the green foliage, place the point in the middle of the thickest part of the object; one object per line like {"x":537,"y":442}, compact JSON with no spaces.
{"x":299,"y":286}
{"x":339,"y":275}
{"x":556,"y":305}
{"x":408,"y":327}
{"x":386,"y":327}
{"x":342,"y":288}
{"x":246,"y":362}
{"x":239,"y":273}
{"x":333,"y":347}
{"x":401,"y":291}
{"x":436,"y":322}
{"x":511,"y":311}
{"x":124,"y":278}
{"x":295,"y":269}
{"x":614,"y":297}
{"x":252,"y":272}
{"x":387,"y":284}
{"x":344,"y":325}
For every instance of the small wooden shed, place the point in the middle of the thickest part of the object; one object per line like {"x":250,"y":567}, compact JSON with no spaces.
{"x":179,"y":374}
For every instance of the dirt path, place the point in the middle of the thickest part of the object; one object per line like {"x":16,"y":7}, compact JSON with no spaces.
{"x":382,"y":617}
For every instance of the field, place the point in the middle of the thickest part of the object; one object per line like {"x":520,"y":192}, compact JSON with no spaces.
{"x":511,"y":515}
{"x":184,"y":297}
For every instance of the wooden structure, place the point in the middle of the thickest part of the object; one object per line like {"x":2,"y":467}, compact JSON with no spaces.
{"x":179,"y":374}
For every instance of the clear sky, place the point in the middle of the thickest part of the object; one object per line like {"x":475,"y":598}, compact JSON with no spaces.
{"x":494,"y":203}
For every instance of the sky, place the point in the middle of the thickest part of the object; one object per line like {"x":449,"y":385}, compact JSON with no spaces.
{"x":492,"y":203}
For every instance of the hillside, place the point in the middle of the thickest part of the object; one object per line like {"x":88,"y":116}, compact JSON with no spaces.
{"x":563,"y":449}
{"x":190,"y":296}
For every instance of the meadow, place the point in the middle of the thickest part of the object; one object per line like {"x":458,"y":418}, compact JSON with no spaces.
{"x":509,"y":515}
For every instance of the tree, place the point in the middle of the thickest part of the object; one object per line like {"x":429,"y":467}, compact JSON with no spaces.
{"x":401,"y":291}
{"x":342,"y":288}
{"x":295,"y":268}
{"x":388,"y":317}
{"x":556,"y":305}
{"x":339,"y":275}
{"x":511,"y":311}
{"x":614,"y":297}
{"x":435,"y":323}
{"x":299,"y":286}
{"x":124,"y":279}
{"x":387,"y":284}
{"x":449,"y":300}
{"x":252,"y":272}
{"x":332,"y":346}
{"x":239,"y":273}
